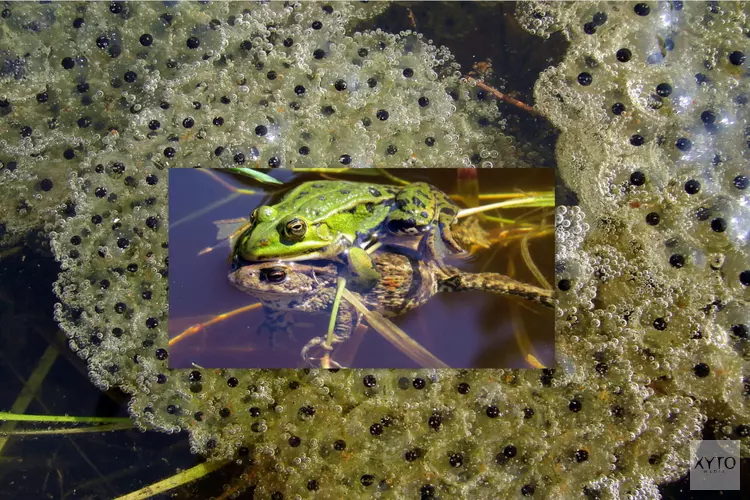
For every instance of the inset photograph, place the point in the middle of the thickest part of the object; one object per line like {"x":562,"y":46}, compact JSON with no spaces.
{"x":361,"y":268}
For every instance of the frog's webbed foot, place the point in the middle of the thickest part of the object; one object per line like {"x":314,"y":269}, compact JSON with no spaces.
{"x":318,"y":347}
{"x":278,"y":324}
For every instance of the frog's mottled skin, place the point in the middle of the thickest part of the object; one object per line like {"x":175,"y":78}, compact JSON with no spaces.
{"x":419,"y":208}
{"x":407,"y":281}
{"x":329,"y":219}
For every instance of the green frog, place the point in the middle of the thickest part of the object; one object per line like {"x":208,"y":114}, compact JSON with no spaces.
{"x":334,"y":219}
{"x":407,"y":281}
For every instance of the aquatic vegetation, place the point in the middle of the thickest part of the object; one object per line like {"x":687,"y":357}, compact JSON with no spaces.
{"x":654,"y":278}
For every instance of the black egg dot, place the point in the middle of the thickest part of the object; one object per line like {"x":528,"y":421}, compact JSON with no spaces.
{"x":120,"y":307}
{"x":299,"y":90}
{"x":589,"y":28}
{"x":76,"y":240}
{"x":430,"y":141}
{"x":162,"y":354}
{"x":463,"y":388}
{"x":664,"y":89}
{"x":69,"y":154}
{"x":100,"y":192}
{"x":130,"y":76}
{"x":274,"y":161}
{"x":637,"y":140}
{"x":660,"y":324}
{"x":151,"y":179}
{"x":642,"y":9}
{"x":84,"y":122}
{"x":391,"y":149}
{"x":419,"y":383}
{"x":623,"y":55}
{"x":193,"y":43}
{"x":575,"y":405}
{"x":45,"y":185}
{"x":739,"y":331}
{"x":133,"y":267}
{"x":382,"y":115}
{"x":146,"y":39}
{"x":304,"y":150}
{"x":528,"y":413}
{"x":492,"y":411}
{"x":701,"y":370}
{"x":527,"y":490}
{"x":585,"y":78}
{"x":742,"y":430}
{"x":708,"y":117}
{"x":239,"y":158}
{"x":161,"y":379}
{"x":372,"y":83}
{"x":154,"y":124}
{"x":316,"y":25}
{"x":152,"y":323}
{"x":26,"y":131}
{"x":123,"y":243}
{"x":618,"y":108}
{"x":345,"y":159}
{"x":683,"y":144}
{"x":741,"y":182}
{"x":652,"y":219}
{"x":376,"y":429}
{"x":42,"y":97}
{"x":246,"y":45}
{"x":288,"y":42}
{"x":78,"y":22}
{"x":232,"y":382}
{"x":456,"y":460}
{"x":637,"y":178}
{"x":188,"y":122}
{"x":427,"y":492}
{"x":677,"y":261}
{"x":340,"y":85}
{"x":261,"y":130}
{"x":581,"y":455}
{"x":367,"y":480}
{"x":601,"y":368}
{"x":225,"y":412}
{"x":413,"y":454}
{"x":719,"y":225}
{"x":510,"y":451}
{"x":327,"y":110}
{"x":737,"y":58}
{"x":294,"y":441}
{"x":146,"y":295}
{"x":254,"y":412}
{"x":692,"y":186}
{"x":319,"y":54}
{"x":369,"y":381}
{"x":563,"y":285}
{"x":435,"y":421}
{"x":102,"y":42}
{"x":170,"y":152}
{"x":408,"y":72}
{"x":745,"y":278}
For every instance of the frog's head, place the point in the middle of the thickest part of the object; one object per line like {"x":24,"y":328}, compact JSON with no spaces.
{"x":273,"y":235}
{"x":283,"y":279}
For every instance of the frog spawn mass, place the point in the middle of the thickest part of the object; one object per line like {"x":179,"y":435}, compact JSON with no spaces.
{"x":648,"y":350}
{"x":226,"y":84}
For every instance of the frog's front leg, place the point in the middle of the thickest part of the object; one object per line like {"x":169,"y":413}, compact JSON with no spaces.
{"x":365,"y":276}
{"x":277,"y":323}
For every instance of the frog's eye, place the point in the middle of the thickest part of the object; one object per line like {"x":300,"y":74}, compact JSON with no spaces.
{"x":273,"y":275}
{"x":295,"y":229}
